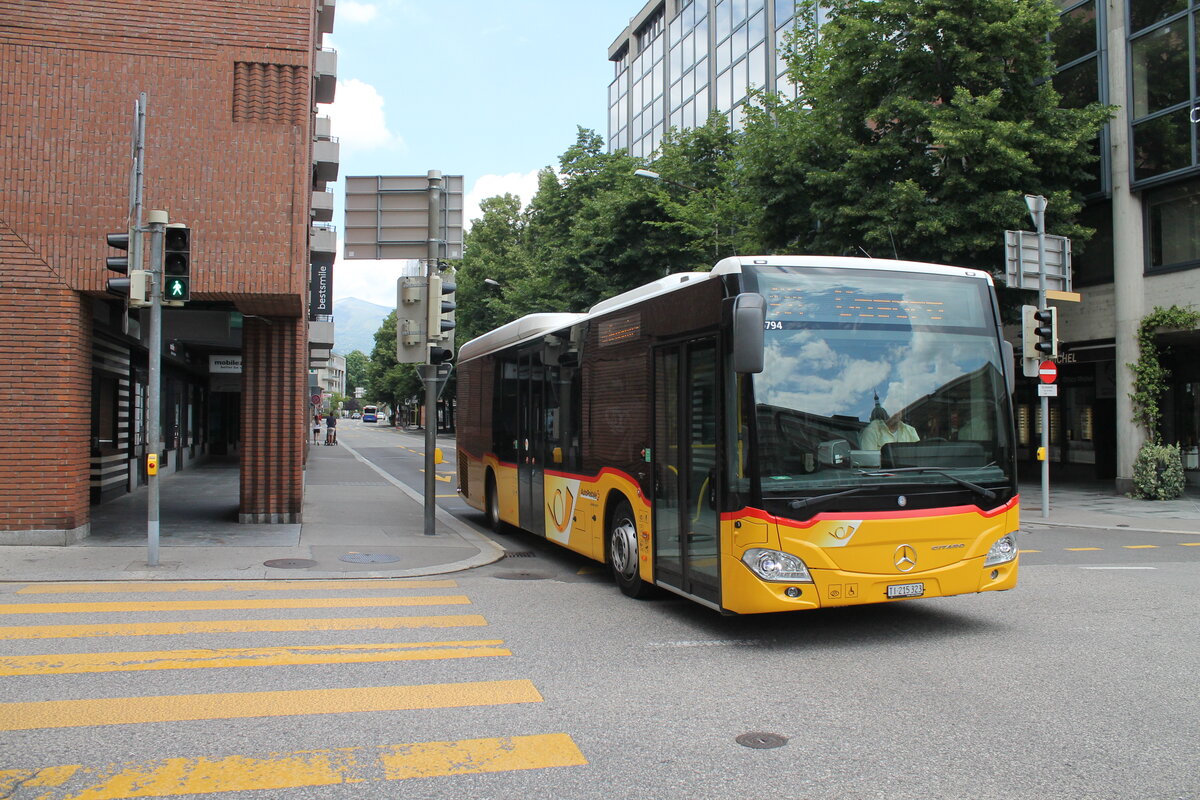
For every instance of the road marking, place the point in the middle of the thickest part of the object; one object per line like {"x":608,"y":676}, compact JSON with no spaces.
{"x":241,"y":705}
{"x":238,"y":626}
{"x":1140,"y":546}
{"x":1019,"y":552}
{"x":76,"y":663}
{"x":1118,"y":567}
{"x":1188,"y":544}
{"x":1082,"y":549}
{"x":179,"y":776}
{"x":228,"y":605}
{"x":231,"y":586}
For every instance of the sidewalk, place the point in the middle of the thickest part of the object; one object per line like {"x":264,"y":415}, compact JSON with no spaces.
{"x":358,"y":522}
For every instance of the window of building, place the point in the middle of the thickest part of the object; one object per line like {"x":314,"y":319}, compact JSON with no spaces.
{"x":784,"y":11}
{"x":1143,"y":13}
{"x":1162,"y":144}
{"x":1092,"y":263}
{"x":650,"y":29}
{"x":1159,"y":76}
{"x":1077,"y":53}
{"x":1173,"y":229}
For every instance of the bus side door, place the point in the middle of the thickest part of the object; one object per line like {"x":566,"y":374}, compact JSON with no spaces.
{"x":531,"y":442}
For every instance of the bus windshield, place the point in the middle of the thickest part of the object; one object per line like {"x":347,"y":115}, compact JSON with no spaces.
{"x":876,"y":380}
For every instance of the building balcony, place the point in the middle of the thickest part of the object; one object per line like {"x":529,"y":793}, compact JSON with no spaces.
{"x":322,"y":206}
{"x":320,"y":336}
{"x":322,"y":244}
{"x":318,"y":358}
{"x":325,"y":75}
{"x":326,"y":161}
{"x":323,"y":129}
{"x":325,"y":14}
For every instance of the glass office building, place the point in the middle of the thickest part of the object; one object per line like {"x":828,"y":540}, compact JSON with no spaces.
{"x":677,"y":60}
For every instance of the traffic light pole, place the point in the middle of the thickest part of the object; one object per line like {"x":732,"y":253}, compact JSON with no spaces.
{"x":431,"y":393}
{"x":158,"y":225}
{"x":1037,"y":210}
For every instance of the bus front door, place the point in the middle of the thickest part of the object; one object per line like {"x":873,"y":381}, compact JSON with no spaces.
{"x":686,"y":531}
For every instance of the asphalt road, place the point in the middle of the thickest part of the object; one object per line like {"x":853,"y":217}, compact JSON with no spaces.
{"x":1080,"y":683}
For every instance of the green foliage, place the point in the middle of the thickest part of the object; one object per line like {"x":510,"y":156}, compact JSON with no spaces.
{"x":1158,"y":472}
{"x":1149,"y":375}
{"x":920,"y":126}
{"x":357,"y":365}
{"x":388,"y":381}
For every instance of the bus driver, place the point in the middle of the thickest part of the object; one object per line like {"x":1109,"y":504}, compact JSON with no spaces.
{"x":884,"y":429}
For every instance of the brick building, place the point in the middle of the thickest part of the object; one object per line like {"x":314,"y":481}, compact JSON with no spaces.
{"x":233,"y":149}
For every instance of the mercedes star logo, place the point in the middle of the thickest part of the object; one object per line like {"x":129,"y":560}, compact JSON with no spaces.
{"x":905,"y":558}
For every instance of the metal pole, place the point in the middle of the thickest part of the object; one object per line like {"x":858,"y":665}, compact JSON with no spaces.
{"x":431,"y":394}
{"x":1037,"y":209}
{"x":158,"y":225}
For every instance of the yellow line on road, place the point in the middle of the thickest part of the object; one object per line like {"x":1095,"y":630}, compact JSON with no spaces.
{"x":232,"y":586}
{"x":75,"y":663}
{"x":240,"y":705}
{"x":238,"y":626}
{"x":1189,"y":544}
{"x":1140,"y":546}
{"x":1022,"y":552}
{"x":1082,"y":549}
{"x":227,"y":605}
{"x":180,"y":776}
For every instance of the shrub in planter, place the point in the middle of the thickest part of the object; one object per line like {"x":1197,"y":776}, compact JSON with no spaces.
{"x":1158,"y":472}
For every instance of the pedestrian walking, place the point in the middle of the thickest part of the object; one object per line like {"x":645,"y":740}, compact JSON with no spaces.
{"x":330,"y":429}
{"x":316,"y":426}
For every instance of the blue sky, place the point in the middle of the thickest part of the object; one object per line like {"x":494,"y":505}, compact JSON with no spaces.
{"x":489,"y":89}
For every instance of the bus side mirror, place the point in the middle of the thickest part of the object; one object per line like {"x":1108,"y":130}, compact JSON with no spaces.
{"x":749,"y":322}
{"x":1010,"y":366}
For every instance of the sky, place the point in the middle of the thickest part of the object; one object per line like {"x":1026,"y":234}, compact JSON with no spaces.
{"x":493,"y":90}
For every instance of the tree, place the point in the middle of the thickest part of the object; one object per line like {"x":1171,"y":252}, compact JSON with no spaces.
{"x":920,"y":126}
{"x":357,"y":365}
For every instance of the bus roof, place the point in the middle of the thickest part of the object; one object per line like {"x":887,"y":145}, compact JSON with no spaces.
{"x":533,"y":325}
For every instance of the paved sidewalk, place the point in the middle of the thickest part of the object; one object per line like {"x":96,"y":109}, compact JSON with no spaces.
{"x":361,"y":522}
{"x":358,"y":522}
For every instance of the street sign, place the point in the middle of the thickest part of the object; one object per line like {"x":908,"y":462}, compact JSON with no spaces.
{"x":387,"y":217}
{"x":316,"y":399}
{"x":1048,"y":372}
{"x":1021,"y":261}
{"x":439,"y":374}
{"x":1047,"y":390}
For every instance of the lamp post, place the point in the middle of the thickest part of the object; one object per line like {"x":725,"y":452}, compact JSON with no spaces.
{"x":654,"y":176}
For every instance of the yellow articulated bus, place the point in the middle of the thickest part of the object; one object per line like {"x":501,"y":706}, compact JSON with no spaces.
{"x":781,"y":433}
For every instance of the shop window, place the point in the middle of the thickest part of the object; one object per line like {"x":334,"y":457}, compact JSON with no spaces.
{"x":1174,"y":226}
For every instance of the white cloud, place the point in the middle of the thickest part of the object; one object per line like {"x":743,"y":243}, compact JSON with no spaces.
{"x":523,"y":186}
{"x":373,"y":281}
{"x":357,"y":117}
{"x":350,"y":11}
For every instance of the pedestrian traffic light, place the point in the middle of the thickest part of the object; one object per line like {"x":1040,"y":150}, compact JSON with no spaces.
{"x":135,"y":287}
{"x":177,"y":265}
{"x":1046,"y":332}
{"x":439,"y":354}
{"x":410,"y":320}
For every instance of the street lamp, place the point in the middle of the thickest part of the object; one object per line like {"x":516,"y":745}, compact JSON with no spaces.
{"x":654,"y":176}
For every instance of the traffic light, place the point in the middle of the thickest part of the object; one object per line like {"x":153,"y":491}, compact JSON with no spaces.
{"x":441,"y":314}
{"x":410,"y":320}
{"x":1046,"y":331}
{"x":177,"y":265}
{"x":136,"y":285}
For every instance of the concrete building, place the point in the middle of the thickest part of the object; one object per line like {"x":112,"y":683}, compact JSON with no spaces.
{"x":677,"y":59}
{"x":233,"y":150}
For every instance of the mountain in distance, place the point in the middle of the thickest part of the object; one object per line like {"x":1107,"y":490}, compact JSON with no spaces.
{"x":354,"y":324}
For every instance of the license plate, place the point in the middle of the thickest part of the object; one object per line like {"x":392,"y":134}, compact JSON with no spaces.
{"x":906,"y":590}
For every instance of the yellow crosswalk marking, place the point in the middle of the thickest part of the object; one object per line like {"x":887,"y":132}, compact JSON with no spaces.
{"x":240,"y":705}
{"x":226,"y":605}
{"x":238,"y":626}
{"x":181,"y":776}
{"x":233,"y":586}
{"x":75,"y":663}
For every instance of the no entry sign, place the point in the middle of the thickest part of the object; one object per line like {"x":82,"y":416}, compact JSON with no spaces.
{"x":1048,"y":371}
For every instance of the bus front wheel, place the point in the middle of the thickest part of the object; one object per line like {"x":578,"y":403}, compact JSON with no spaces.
{"x":623,"y":552}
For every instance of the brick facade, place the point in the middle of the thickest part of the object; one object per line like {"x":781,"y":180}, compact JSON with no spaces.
{"x":228,"y":152}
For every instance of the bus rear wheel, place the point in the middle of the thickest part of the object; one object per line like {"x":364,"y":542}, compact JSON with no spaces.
{"x":492,"y":503}
{"x":623,"y":552}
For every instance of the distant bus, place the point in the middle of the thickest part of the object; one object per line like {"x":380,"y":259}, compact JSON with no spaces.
{"x":370,"y":414}
{"x":781,"y":433}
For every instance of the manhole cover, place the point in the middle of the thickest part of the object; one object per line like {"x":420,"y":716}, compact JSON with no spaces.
{"x":519,"y":554}
{"x":761,"y":741}
{"x":523,"y":575}
{"x":369,"y":558}
{"x":290,"y":563}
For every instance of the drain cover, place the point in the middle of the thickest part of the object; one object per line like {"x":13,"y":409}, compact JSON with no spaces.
{"x":761,"y":741}
{"x":290,"y":563}
{"x":519,"y":554}
{"x":523,"y":575}
{"x":369,"y":558}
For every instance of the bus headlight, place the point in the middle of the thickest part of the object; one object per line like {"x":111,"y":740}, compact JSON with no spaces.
{"x":773,"y":565}
{"x":1003,"y":551}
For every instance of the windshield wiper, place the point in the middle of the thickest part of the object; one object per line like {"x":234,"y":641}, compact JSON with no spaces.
{"x":804,"y":502}
{"x":986,"y":493}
